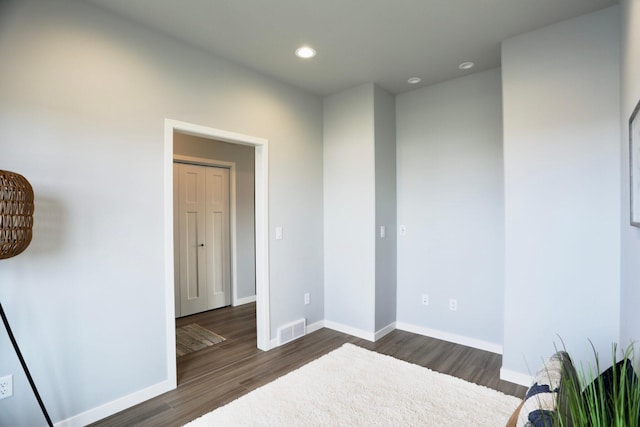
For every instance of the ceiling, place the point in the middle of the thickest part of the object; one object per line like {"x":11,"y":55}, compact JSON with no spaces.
{"x":357,"y":41}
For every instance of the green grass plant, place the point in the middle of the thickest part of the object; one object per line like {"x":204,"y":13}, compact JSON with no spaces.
{"x":593,"y":400}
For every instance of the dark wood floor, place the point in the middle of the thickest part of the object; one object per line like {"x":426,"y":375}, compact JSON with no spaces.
{"x":217,"y":375}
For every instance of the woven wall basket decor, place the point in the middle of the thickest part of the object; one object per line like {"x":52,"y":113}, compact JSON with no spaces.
{"x":16,"y":214}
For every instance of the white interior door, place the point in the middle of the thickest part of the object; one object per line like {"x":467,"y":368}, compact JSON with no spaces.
{"x":201,"y":205}
{"x":217,"y":237}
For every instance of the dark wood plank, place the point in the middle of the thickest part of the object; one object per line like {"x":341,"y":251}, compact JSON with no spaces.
{"x":217,"y":375}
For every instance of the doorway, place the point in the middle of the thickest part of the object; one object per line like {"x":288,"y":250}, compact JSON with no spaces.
{"x":260,"y":145}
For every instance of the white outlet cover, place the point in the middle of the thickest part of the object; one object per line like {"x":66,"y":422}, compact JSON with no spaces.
{"x":6,"y":386}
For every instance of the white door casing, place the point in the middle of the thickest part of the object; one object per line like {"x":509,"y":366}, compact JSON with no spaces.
{"x":261,"y":146}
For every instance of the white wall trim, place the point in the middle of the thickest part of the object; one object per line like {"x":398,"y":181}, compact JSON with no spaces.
{"x":516,"y":377}
{"x":315,"y":326}
{"x":454,"y":338}
{"x":117,"y":405}
{"x":169,"y":277}
{"x":263,"y":323}
{"x":245,"y":300}
{"x":232,"y":214}
{"x":365,"y":335}
{"x":384,"y":331}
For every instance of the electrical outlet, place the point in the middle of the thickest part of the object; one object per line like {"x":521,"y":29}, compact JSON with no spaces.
{"x":307,"y":299}
{"x":453,"y":304}
{"x":6,"y":386}
{"x":425,"y":299}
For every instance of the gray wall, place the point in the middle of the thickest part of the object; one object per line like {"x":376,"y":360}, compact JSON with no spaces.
{"x":244,"y":158}
{"x":449,"y":157}
{"x":349,"y":208}
{"x":630,"y":276}
{"x":82,"y":107}
{"x":385,"y":214}
{"x":359,"y":197}
{"x":562,"y":189}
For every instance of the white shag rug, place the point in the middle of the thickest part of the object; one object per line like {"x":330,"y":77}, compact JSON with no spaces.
{"x":352,"y":386}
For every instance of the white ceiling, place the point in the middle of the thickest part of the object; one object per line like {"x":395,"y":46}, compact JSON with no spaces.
{"x":358,"y":41}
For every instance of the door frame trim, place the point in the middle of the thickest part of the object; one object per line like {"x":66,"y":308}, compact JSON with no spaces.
{"x":261,"y":145}
{"x":231,"y":166}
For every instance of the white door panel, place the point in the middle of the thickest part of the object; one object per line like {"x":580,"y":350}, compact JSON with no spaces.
{"x":218,"y":236}
{"x":201,"y":208}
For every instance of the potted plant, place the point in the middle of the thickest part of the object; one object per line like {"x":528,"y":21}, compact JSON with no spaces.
{"x":594,"y":399}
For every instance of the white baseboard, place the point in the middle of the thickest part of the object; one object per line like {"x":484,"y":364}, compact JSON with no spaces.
{"x":315,"y":326}
{"x":516,"y":377}
{"x":349,"y":330}
{"x":116,"y":406}
{"x":454,"y":338}
{"x":359,"y":333}
{"x":242,"y":301}
{"x":384,"y":331}
{"x":365,"y":335}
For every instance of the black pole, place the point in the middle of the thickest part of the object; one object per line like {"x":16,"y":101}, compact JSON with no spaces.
{"x":24,"y":366}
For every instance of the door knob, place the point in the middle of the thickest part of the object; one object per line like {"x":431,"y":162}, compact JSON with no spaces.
{"x":201,"y":244}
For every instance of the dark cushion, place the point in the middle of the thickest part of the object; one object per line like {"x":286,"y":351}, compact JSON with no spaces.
{"x":607,"y":381}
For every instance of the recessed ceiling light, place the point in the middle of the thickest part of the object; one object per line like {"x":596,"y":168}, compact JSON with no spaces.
{"x":466,"y":65}
{"x":414,"y":80}
{"x":305,"y":52}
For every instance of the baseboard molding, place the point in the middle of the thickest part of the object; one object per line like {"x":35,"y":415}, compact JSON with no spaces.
{"x":454,"y":338}
{"x":242,"y":301}
{"x":116,"y":406}
{"x":384,"y":331}
{"x":315,"y":326}
{"x":349,"y":330}
{"x":515,"y":377}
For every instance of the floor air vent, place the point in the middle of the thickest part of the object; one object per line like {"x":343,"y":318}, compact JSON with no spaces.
{"x":291,"y":331}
